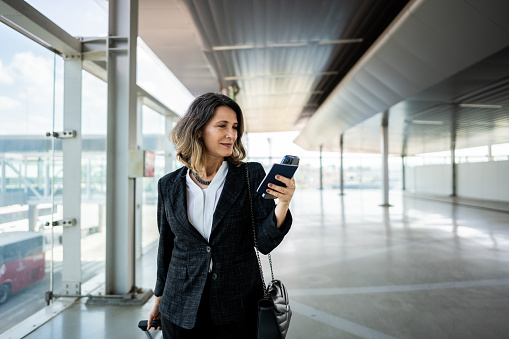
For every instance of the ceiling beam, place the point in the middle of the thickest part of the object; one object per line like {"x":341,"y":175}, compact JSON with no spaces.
{"x":28,"y":21}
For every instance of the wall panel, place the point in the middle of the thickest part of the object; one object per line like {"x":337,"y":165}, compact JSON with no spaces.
{"x":483,"y":180}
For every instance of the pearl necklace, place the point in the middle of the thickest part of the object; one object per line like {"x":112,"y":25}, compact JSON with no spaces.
{"x":200,"y":180}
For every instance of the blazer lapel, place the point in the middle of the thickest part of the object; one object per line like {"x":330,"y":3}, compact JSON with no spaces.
{"x":235,"y":180}
{"x":177,"y":194}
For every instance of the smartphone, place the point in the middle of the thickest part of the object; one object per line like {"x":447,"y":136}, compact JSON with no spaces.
{"x":287,"y":160}
{"x":290,"y":160}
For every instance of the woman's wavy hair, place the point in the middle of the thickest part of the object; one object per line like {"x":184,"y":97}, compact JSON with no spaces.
{"x":185,"y":134}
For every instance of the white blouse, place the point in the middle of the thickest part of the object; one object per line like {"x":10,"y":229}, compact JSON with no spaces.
{"x":201,"y":203}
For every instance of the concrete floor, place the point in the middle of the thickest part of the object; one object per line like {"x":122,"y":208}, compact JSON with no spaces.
{"x":419,"y":269}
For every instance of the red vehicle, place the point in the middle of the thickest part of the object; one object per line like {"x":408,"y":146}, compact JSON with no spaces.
{"x":21,"y":261}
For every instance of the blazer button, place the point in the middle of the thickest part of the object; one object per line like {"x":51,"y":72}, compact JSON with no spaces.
{"x":208,"y":249}
{"x":214,"y":276}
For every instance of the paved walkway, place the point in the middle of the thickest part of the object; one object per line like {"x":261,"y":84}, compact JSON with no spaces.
{"x":419,"y":269}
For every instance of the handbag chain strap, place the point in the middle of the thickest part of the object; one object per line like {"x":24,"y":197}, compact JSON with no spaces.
{"x":265,"y":292}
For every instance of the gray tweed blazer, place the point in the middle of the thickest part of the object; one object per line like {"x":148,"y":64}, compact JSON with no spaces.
{"x":183,"y":256}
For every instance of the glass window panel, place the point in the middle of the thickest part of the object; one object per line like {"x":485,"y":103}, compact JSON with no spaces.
{"x":93,"y":176}
{"x":500,"y":150}
{"x":472,"y":154}
{"x":361,"y":171}
{"x":154,"y":77}
{"x":395,"y":173}
{"x":154,"y":140}
{"x":30,"y":105}
{"x":472,"y":151}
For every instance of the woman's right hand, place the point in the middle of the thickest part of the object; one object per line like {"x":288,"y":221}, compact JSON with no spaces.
{"x":154,"y":314}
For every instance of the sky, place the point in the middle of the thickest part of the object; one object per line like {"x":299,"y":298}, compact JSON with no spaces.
{"x":27,"y":73}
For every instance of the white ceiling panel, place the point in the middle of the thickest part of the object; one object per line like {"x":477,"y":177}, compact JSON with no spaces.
{"x":496,"y":10}
{"x":430,"y":47}
{"x":429,"y":43}
{"x":399,"y":82}
{"x":410,"y":66}
{"x":463,"y":26}
{"x":384,"y":91}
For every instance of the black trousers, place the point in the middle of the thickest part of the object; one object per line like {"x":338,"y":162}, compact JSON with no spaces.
{"x":205,"y":328}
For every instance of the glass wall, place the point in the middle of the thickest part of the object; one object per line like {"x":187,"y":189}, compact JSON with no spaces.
{"x":361,"y":171}
{"x":154,"y":77}
{"x":154,"y":140}
{"x":93,"y":176}
{"x":30,"y":175}
{"x":498,"y":152}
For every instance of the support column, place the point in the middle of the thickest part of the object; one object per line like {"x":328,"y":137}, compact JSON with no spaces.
{"x":170,"y":156}
{"x":3,"y":186}
{"x":32,"y":217}
{"x":453,"y":149}
{"x":403,"y":173}
{"x":341,"y":168}
{"x":24,"y":174}
{"x":102,"y":217}
{"x":47,"y":176}
{"x":404,"y":153}
{"x":138,"y":189}
{"x":71,"y":195}
{"x":120,"y":190}
{"x":270,"y":151}
{"x":321,"y":168}
{"x":385,"y":159}
{"x":88,"y":179}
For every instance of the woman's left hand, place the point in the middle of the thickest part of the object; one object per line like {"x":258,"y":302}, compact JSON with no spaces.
{"x":284,"y":194}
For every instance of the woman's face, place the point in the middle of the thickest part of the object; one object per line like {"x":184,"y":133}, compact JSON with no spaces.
{"x":220,"y":133}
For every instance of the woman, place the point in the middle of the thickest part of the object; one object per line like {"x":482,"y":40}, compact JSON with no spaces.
{"x":208,"y":281}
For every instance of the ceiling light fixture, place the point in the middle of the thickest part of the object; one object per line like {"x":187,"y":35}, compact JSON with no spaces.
{"x":427,"y":122}
{"x":479,"y":106}
{"x":340,"y":41}
{"x":276,"y":94}
{"x":289,"y":75}
{"x":287,"y":44}
{"x":279,"y":76}
{"x":240,"y":78}
{"x":231,"y":48}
